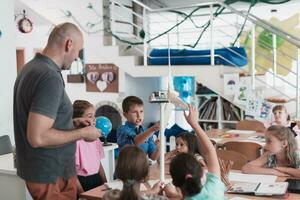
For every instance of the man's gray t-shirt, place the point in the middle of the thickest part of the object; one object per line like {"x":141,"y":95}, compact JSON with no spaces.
{"x":39,"y":88}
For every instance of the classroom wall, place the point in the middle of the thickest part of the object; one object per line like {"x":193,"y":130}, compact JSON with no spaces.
{"x":37,"y":40}
{"x":8,"y":67}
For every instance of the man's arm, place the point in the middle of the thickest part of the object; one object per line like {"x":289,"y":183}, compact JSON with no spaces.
{"x":40,"y":132}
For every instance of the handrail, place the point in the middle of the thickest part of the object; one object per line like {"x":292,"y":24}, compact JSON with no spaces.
{"x":263,"y":24}
{"x":247,"y":15}
{"x":215,"y":40}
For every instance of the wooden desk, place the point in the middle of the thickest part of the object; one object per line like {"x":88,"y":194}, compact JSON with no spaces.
{"x":98,"y":192}
{"x":216,"y":135}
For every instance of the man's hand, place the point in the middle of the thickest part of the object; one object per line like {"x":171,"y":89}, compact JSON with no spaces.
{"x":83,"y":122}
{"x":90,"y":133}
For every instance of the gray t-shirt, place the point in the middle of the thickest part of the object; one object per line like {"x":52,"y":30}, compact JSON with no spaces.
{"x":39,"y":88}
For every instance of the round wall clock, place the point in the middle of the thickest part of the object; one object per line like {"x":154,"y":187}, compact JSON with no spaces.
{"x":25,"y":25}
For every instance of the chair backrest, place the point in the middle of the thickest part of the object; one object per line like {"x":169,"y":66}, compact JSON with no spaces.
{"x":238,"y":159}
{"x":252,"y":125}
{"x":5,"y":145}
{"x":251,"y":150}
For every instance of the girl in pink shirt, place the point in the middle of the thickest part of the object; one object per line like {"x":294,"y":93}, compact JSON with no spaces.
{"x":90,"y":172}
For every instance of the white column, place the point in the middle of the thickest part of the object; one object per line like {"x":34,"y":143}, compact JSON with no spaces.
{"x":162,"y":142}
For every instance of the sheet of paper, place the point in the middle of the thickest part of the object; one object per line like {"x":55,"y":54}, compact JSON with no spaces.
{"x":241,"y":132}
{"x":278,"y":188}
{"x":251,"y":178}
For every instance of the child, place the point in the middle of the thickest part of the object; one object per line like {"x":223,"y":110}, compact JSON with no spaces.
{"x":132,"y":169}
{"x":88,"y":154}
{"x":281,"y":157}
{"x":186,"y":143}
{"x":280,"y":116}
{"x":133,"y":132}
{"x":186,"y":171}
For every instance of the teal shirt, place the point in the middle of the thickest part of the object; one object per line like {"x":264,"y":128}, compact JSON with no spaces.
{"x":213,"y":189}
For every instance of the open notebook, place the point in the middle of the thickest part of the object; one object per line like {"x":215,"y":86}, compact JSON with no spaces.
{"x":260,"y":189}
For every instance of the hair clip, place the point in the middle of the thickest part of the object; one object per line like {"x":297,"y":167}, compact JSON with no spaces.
{"x":187,"y":176}
{"x":129,"y":183}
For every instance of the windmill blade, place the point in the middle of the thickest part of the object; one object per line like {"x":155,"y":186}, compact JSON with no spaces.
{"x":173,"y":98}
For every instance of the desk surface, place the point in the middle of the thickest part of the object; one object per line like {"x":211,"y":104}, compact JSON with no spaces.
{"x":98,"y":192}
{"x":216,"y":135}
{"x":110,"y":147}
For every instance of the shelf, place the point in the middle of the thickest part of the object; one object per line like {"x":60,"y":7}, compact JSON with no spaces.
{"x":213,"y":109}
{"x":207,"y":120}
{"x":206,"y":95}
{"x":230,"y":122}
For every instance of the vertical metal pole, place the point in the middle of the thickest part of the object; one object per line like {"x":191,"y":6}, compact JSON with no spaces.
{"x":177,"y":32}
{"x":274,"y":39}
{"x":112,"y":21}
{"x":253,"y":57}
{"x":219,"y":112}
{"x":212,"y":49}
{"x":162,"y":142}
{"x":237,"y":29}
{"x":145,"y":27}
{"x":298,"y":86}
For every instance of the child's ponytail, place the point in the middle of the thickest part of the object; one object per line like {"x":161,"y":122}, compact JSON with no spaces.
{"x":128,"y":192}
{"x":191,"y":185}
{"x":186,"y":172}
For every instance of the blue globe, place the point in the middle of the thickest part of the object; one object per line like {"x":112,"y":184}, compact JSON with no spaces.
{"x":104,"y":124}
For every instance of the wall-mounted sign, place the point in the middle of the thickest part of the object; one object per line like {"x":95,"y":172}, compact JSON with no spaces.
{"x":102,"y":78}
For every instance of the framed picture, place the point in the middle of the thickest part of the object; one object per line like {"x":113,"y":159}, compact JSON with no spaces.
{"x":102,"y":78}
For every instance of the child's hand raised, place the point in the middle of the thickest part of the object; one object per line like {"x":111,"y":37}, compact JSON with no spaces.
{"x":157,"y":143}
{"x":155,"y":127}
{"x":192,"y":116}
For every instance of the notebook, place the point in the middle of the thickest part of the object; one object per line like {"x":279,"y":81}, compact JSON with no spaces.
{"x":294,"y":185}
{"x":260,"y":189}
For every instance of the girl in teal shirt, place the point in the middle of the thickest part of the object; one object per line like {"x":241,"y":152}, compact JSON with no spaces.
{"x":186,"y":171}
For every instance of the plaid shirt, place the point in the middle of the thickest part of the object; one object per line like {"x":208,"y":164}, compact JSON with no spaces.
{"x":126,"y":134}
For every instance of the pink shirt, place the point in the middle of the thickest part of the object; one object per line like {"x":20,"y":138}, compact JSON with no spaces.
{"x":88,"y":156}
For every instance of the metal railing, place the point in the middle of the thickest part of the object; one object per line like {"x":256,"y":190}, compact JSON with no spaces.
{"x":181,"y":30}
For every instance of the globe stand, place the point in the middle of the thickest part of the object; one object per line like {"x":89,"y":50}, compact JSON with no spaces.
{"x":105,"y":143}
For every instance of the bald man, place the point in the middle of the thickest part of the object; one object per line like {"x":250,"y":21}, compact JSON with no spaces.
{"x":44,"y":131}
